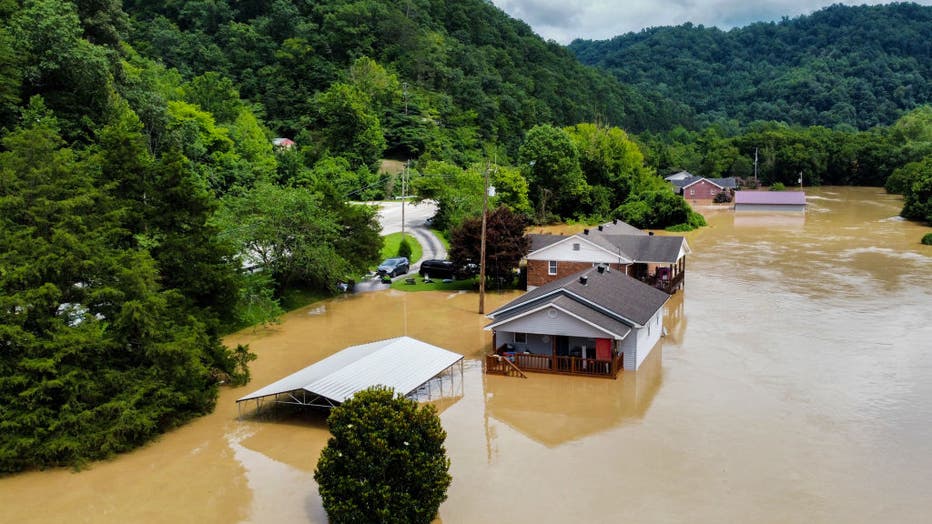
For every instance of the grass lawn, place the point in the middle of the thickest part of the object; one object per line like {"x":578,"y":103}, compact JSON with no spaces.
{"x":437,"y":285}
{"x":443,"y":239}
{"x":390,"y":247}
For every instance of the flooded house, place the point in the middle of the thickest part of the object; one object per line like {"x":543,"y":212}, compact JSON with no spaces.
{"x":769,"y":201}
{"x":697,"y":188}
{"x":658,"y":260}
{"x":595,"y":322}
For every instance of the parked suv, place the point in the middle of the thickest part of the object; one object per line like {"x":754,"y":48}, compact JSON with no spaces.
{"x":394,"y":267}
{"x":437,"y":269}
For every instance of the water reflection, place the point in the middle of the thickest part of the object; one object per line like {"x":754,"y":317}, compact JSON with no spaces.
{"x":554,"y":409}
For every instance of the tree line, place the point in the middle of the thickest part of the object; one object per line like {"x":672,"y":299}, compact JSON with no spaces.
{"x":842,"y":66}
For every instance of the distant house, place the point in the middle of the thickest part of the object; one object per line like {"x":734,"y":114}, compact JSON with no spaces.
{"x":770,"y":201}
{"x":682,"y":175}
{"x":659,"y":260}
{"x":701,"y":188}
{"x":594,"y":322}
{"x":283,"y":143}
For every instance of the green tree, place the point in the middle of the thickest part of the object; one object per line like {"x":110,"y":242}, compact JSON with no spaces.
{"x":610,"y":159}
{"x":347,"y":125}
{"x":505,"y":243}
{"x":98,"y":357}
{"x":917,"y":200}
{"x":293,"y":234}
{"x":551,"y":162}
{"x":385,"y":462}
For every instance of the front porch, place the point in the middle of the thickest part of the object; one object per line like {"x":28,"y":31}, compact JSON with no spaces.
{"x":506,"y":361}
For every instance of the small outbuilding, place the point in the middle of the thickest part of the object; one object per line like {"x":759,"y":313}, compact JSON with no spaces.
{"x":403,"y":364}
{"x":780,"y":201}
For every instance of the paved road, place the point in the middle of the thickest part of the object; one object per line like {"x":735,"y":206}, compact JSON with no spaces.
{"x":415,"y":217}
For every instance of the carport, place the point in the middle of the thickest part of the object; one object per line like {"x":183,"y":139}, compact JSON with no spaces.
{"x":403,"y":364}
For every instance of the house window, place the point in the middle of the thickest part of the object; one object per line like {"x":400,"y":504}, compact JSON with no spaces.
{"x":552,"y":267}
{"x":520,"y":338}
{"x":692,"y":192}
{"x":575,"y":247}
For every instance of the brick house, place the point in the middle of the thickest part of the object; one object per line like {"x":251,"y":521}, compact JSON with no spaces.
{"x":659,"y":260}
{"x":700,"y":188}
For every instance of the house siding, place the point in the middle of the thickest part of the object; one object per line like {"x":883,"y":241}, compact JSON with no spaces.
{"x":551,"y":321}
{"x":639,"y":344}
{"x":535,"y":342}
{"x":770,"y":207}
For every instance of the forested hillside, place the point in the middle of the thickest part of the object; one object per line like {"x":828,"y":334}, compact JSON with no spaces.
{"x":460,"y":71}
{"x":862,"y":66}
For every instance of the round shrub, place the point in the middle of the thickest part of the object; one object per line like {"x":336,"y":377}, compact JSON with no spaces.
{"x":404,"y":249}
{"x":385,"y":461}
{"x":927,"y":239}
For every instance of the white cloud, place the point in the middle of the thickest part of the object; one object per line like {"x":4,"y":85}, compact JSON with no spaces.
{"x":601,"y":19}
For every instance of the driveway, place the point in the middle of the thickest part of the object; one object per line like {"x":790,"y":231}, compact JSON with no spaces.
{"x":415,"y":217}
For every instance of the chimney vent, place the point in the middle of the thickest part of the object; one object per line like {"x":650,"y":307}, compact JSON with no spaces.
{"x":615,"y":221}
{"x":601,"y":269}
{"x":584,"y":279}
{"x":585,"y":231}
{"x":650,"y":233}
{"x":600,"y":228}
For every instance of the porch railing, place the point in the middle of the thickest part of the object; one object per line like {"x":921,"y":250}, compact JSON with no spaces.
{"x":667,"y":286}
{"x":564,"y":365}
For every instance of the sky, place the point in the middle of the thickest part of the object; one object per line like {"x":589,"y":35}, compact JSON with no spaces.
{"x":564,"y":20}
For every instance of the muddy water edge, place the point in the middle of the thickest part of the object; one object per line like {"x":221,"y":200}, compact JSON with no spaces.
{"x":795,"y":385}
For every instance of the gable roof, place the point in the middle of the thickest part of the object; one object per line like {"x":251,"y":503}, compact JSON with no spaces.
{"x":574,"y":308}
{"x":641,"y":247}
{"x":402,"y":363}
{"x":611,"y":297}
{"x":723,"y":183}
{"x":790,"y":198}
{"x":650,"y":248}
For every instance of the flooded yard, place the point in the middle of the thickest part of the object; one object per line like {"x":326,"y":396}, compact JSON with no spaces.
{"x":795,"y":385}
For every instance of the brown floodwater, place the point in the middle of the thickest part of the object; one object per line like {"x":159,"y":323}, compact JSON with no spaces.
{"x":795,"y":385}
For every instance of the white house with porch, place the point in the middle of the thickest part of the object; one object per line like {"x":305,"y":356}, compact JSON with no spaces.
{"x":595,"y":322}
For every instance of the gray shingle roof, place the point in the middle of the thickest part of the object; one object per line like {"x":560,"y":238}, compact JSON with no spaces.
{"x":644,"y":248}
{"x":726,"y":183}
{"x":540,"y":241}
{"x":639,"y":247}
{"x":574,"y":307}
{"x":611,"y":294}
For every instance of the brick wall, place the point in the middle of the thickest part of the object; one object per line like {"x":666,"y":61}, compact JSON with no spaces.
{"x":537,"y":270}
{"x":702,"y":190}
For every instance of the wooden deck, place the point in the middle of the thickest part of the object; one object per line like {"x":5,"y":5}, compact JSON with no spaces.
{"x":667,"y":286}
{"x":496,"y":364}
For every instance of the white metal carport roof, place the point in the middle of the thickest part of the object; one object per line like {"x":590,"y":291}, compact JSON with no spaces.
{"x":402,"y":364}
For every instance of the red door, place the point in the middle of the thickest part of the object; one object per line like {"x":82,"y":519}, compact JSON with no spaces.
{"x":603,"y":349}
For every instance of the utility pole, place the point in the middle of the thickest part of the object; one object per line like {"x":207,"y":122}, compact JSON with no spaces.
{"x":404,"y":176}
{"x":485,"y":211}
{"x":755,"y":166}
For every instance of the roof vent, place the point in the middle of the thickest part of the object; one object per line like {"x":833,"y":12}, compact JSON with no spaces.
{"x":585,"y":231}
{"x":584,"y":279}
{"x":600,"y":228}
{"x":650,"y":233}
{"x":601,"y":269}
{"x":615,"y":221}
